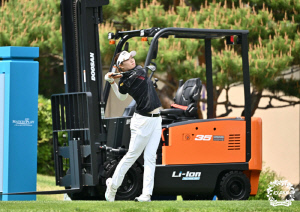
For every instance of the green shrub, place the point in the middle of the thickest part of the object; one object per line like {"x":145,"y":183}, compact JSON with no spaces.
{"x":266,"y":176}
{"x":45,"y":147}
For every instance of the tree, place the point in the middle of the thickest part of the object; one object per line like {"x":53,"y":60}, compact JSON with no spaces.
{"x":273,"y":46}
{"x":279,"y":8}
{"x":273,"y":41}
{"x":36,"y":23}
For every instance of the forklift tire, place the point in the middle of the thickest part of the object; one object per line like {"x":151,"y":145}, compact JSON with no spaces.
{"x":198,"y":197}
{"x":234,"y":185}
{"x":131,"y":186}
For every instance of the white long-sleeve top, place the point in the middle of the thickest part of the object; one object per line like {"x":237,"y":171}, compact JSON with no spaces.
{"x":120,"y":96}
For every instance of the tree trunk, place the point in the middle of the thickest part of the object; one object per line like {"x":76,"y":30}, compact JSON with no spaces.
{"x":199,"y":111}
{"x":2,"y":2}
{"x":255,"y":99}
{"x":217,"y":93}
{"x":166,"y":94}
{"x":176,"y":3}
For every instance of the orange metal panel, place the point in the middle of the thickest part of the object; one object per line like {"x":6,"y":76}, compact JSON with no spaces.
{"x":253,"y":176}
{"x":200,"y":143}
{"x":255,"y":162}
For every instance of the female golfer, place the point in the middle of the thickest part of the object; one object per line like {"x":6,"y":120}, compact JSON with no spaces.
{"x":145,"y":124}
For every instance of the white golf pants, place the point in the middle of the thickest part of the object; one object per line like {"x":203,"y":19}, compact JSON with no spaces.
{"x":145,"y":135}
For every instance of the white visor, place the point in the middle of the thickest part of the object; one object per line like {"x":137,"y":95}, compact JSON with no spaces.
{"x":124,"y":55}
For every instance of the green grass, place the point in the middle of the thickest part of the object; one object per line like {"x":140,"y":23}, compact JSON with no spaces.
{"x":47,"y":183}
{"x":56,"y":203}
{"x":161,"y":206}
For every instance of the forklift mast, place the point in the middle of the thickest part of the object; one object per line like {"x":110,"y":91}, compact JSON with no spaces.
{"x":79,"y":112}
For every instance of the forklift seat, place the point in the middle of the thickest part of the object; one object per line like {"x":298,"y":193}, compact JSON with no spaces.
{"x":186,"y":101}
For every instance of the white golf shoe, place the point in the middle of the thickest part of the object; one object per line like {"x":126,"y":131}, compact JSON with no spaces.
{"x":110,"y":192}
{"x":143,"y":198}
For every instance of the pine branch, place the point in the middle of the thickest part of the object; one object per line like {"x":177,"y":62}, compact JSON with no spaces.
{"x":56,"y":56}
{"x":203,"y":100}
{"x":56,"y":65}
{"x":235,"y":84}
{"x":278,"y":98}
{"x":293,"y":70}
{"x":228,"y":111}
{"x":270,"y":105}
{"x":165,"y":81}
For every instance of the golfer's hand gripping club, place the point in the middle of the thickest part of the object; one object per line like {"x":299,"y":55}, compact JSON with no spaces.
{"x":109,"y":77}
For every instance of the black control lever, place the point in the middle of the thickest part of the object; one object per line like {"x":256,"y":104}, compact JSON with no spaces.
{"x":120,"y":150}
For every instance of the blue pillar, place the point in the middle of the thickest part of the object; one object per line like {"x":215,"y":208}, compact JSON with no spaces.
{"x":1,"y":130}
{"x":18,"y":118}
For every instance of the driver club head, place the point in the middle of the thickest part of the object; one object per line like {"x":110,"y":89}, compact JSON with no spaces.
{"x":151,"y":67}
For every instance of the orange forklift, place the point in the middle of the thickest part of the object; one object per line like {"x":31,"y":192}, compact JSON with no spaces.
{"x":200,"y":158}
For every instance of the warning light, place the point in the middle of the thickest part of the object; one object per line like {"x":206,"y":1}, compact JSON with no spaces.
{"x":230,"y":40}
{"x":111,"y":42}
{"x":144,"y":39}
